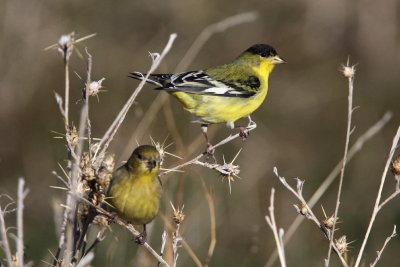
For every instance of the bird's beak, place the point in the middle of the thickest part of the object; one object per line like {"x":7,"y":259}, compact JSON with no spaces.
{"x":152,"y":163}
{"x":277,"y":60}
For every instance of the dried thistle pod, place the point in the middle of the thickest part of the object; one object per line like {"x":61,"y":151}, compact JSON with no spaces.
{"x":341,"y":244}
{"x":106,"y":169}
{"x":87,"y":170}
{"x":302,"y":209}
{"x":178,"y":216}
{"x":395,"y":166}
{"x":72,"y":136}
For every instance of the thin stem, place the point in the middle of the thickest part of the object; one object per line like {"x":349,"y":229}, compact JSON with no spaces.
{"x":272,"y":224}
{"x":20,"y":222}
{"x":378,"y":198}
{"x":346,"y":148}
{"x":66,"y":104}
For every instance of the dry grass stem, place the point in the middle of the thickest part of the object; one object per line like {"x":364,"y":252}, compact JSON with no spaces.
{"x":298,"y":192}
{"x":379,"y":196}
{"x":355,"y":148}
{"x":348,"y":72}
{"x":379,"y":252}
{"x":272,"y":224}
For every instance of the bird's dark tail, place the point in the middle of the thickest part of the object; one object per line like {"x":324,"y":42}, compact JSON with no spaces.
{"x":156,"y":79}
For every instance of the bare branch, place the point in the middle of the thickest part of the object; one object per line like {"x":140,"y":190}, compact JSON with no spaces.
{"x":378,"y":198}
{"x":383,"y":247}
{"x":278,"y":236}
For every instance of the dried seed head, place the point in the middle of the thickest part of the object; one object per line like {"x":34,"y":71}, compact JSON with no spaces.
{"x":342,"y":244}
{"x":347,"y":70}
{"x":66,"y":45}
{"x":72,"y":136}
{"x":302,"y":209}
{"x":100,"y":220}
{"x":395,"y":166}
{"x":330,"y":221}
{"x":106,"y":169}
{"x":178,"y":216}
{"x":108,"y":164}
{"x":87,"y":170}
{"x":95,"y":86}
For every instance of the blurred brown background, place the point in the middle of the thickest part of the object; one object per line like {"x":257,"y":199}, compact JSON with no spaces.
{"x":301,"y":126}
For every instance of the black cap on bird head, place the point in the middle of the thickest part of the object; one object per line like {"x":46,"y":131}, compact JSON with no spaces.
{"x":263,"y":50}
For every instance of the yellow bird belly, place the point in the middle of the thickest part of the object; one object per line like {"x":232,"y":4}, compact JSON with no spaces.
{"x":136,"y":200}
{"x":218,"y":109}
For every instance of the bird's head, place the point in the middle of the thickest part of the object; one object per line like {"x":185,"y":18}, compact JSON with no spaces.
{"x":145,"y":159}
{"x":261,"y":56}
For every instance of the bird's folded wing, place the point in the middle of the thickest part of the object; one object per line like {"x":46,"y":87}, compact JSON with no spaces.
{"x":198,"y":82}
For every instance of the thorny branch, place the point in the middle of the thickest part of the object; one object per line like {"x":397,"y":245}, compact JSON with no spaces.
{"x":305,"y":210}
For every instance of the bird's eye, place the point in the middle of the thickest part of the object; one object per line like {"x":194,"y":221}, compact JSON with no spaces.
{"x":140,"y":156}
{"x":263,"y":54}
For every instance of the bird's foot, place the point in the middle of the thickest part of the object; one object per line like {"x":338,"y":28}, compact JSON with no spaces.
{"x":111,"y":218}
{"x":141,"y":238}
{"x":209,"y":153}
{"x":243,"y":132}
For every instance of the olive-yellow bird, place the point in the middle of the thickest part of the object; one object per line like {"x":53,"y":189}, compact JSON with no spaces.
{"x":225,"y":93}
{"x":135,"y":189}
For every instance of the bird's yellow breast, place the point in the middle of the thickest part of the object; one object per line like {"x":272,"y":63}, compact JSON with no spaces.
{"x":136,"y":198}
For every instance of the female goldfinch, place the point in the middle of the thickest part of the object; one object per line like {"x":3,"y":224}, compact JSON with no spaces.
{"x":225,"y":93}
{"x":135,"y":189}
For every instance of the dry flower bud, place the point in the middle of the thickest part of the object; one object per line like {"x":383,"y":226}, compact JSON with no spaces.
{"x":95,"y":86}
{"x":342,"y":244}
{"x":72,"y":136}
{"x":178,"y":216}
{"x":303,"y":209}
{"x":395,"y":166}
{"x":348,"y":71}
{"x":87,"y":171}
{"x":330,"y":221}
{"x":66,"y":45}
